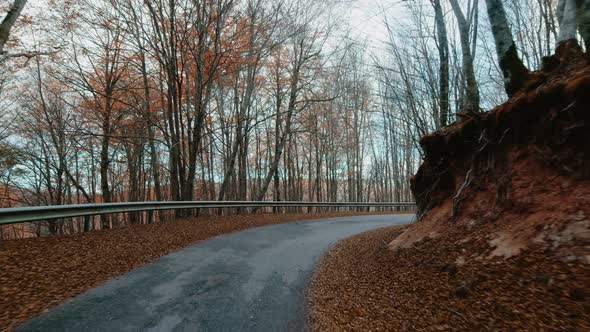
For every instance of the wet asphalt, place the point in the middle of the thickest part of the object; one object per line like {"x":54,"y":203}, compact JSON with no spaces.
{"x":254,"y":280}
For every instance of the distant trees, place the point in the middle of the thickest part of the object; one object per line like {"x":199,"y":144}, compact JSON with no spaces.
{"x":246,"y":99}
{"x":521,"y":33}
{"x":441,"y":61}
{"x":185,"y":100}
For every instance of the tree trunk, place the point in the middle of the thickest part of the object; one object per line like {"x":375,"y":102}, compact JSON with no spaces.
{"x":583,"y":18}
{"x":514,"y":72}
{"x":567,"y":20}
{"x":104,"y":171}
{"x":471,"y":101}
{"x":443,"y":54}
{"x":9,"y":21}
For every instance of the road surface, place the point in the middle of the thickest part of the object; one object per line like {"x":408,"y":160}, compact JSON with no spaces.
{"x":254,"y":280}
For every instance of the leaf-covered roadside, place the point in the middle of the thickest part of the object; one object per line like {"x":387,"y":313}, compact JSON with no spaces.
{"x":39,"y":273}
{"x":438,"y":285}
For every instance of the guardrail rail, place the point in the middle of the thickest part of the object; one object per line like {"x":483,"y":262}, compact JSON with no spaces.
{"x":38,"y":213}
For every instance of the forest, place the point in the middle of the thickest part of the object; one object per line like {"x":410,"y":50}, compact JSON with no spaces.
{"x":141,"y":100}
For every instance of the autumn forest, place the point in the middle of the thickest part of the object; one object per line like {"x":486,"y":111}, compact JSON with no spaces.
{"x":133,"y":100}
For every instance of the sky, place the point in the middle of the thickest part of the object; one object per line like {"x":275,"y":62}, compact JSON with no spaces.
{"x":366,"y":19}
{"x":368,"y":14}
{"x":365,"y":16}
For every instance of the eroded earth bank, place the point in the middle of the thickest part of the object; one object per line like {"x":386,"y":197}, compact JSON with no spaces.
{"x":503,"y":237}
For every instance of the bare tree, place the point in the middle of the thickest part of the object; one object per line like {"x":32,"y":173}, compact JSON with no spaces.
{"x":573,"y":15}
{"x":471,"y":99}
{"x":443,"y":54}
{"x":566,"y":10}
{"x":306,"y":42}
{"x":514,"y":72}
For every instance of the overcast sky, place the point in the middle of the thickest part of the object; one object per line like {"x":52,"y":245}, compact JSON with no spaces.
{"x":364,"y":16}
{"x":367,"y":19}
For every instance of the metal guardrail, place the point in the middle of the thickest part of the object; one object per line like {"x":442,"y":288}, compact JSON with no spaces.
{"x":37,"y":213}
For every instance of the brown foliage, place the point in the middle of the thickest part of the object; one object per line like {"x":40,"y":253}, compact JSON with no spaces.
{"x":444,"y":285}
{"x":39,"y":273}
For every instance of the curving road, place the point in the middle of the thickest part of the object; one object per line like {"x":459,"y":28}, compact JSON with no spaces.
{"x":254,"y":280}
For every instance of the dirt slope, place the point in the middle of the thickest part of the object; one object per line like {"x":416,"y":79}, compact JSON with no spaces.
{"x":503,"y":241}
{"x":438,"y":285}
{"x":518,"y":176}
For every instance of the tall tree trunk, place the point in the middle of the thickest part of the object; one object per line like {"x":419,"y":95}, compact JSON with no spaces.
{"x":104,"y":169}
{"x":567,"y":20}
{"x":443,"y":54}
{"x":514,"y":72}
{"x":154,"y":162}
{"x":471,"y":101}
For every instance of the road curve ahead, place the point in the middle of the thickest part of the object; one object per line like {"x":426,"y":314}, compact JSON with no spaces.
{"x":254,"y":280}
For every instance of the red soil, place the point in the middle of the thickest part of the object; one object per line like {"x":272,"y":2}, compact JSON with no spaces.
{"x":503,"y":240}
{"x":444,"y":284}
{"x":519,"y":175}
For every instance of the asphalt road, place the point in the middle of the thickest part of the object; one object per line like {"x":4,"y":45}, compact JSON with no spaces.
{"x":254,"y":280}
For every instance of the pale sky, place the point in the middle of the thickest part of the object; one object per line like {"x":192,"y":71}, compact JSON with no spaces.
{"x":366,"y":16}
{"x":367,"y":19}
